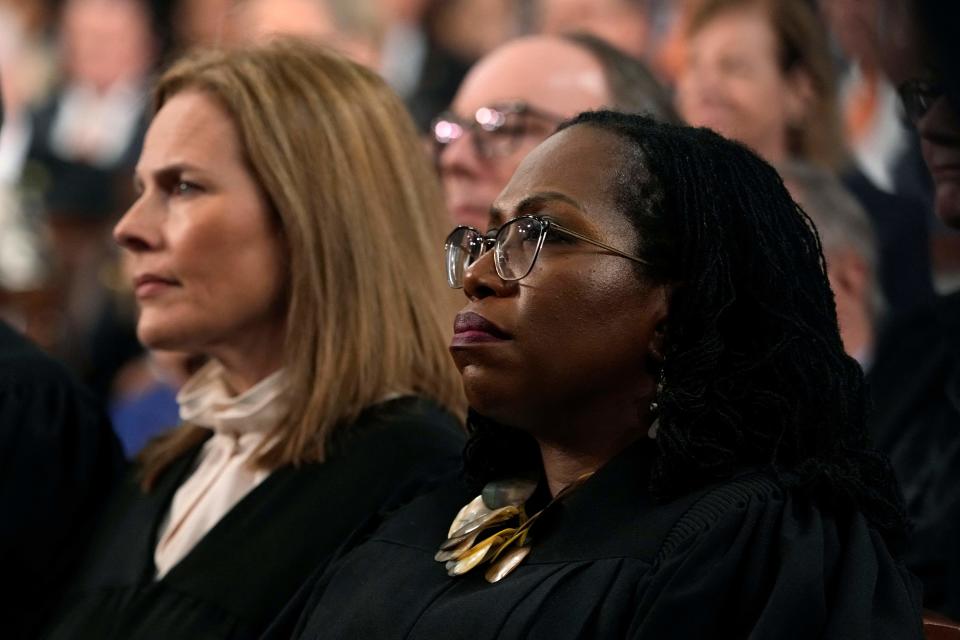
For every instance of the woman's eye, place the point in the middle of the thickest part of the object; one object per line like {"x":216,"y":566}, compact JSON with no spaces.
{"x":183,"y":187}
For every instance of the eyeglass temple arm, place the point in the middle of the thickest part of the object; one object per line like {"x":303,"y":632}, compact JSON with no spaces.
{"x":598,"y":243}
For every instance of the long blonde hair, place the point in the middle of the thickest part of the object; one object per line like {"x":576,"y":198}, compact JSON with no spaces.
{"x":362,"y":215}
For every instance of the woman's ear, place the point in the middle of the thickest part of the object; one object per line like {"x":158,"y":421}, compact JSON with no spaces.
{"x":661,"y":311}
{"x":658,"y":342}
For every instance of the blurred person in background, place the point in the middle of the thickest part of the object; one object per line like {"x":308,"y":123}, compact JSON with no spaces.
{"x":622,"y":23}
{"x":405,"y":45}
{"x":84,"y":140}
{"x":759,"y":71}
{"x":849,"y":246}
{"x":201,"y":23}
{"x":59,"y":462}
{"x":422,"y":47}
{"x":920,"y":45}
{"x":426,"y":61}
{"x":95,"y":116}
{"x":877,"y":135}
{"x":917,"y":374}
{"x":886,"y":148}
{"x":349,"y":26}
{"x":514,"y":98}
{"x":415,"y":60}
{"x":26,"y":69}
{"x":667,"y":37}
{"x":284,"y":230}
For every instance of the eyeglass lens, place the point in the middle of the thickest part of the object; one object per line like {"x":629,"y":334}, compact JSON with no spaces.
{"x":494,"y":133}
{"x":515,"y":249}
{"x":517,"y":245}
{"x":918,"y":97}
{"x":464,"y":245}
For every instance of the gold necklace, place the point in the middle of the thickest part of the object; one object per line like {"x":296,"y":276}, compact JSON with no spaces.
{"x":501,"y":503}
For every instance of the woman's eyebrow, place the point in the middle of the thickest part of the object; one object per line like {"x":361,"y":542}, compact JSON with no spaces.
{"x":533,"y":203}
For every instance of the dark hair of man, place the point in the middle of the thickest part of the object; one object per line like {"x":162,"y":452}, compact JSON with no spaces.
{"x":754,"y":372}
{"x":631,"y":85}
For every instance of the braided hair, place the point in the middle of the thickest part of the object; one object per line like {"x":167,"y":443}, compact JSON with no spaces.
{"x":754,"y":372}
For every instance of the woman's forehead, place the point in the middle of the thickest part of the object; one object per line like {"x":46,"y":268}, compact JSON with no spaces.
{"x":579,"y":162}
{"x":578,"y":168}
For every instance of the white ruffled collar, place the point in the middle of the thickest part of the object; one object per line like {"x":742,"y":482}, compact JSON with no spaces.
{"x":205,"y":401}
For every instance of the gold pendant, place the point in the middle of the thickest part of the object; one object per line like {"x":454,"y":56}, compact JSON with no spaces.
{"x":499,"y":503}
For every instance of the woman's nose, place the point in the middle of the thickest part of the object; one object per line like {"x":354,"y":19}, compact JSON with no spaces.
{"x":481,"y":279}
{"x":137,"y":230}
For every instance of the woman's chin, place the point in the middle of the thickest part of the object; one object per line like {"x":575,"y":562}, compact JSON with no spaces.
{"x":160,"y":337}
{"x":499,"y":410}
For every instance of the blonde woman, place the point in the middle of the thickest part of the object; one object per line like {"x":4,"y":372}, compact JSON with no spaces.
{"x":286,"y":228}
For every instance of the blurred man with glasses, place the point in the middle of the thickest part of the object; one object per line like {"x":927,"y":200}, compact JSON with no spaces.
{"x":513,"y":98}
{"x":920,"y":41}
{"x":916,"y":377}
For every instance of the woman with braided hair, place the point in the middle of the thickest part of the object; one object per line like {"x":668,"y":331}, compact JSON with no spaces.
{"x":667,"y":437}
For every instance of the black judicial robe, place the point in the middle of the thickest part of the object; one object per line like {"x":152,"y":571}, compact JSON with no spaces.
{"x":240,"y":575}
{"x":59,"y":460}
{"x":742,"y":559}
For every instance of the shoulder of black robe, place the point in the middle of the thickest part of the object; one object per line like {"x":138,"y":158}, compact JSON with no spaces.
{"x":59,"y":459}
{"x":915,"y":384}
{"x":243,"y":571}
{"x":742,"y":559}
{"x":753,"y":560}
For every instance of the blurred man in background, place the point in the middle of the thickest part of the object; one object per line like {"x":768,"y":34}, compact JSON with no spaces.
{"x":515,"y":97}
{"x":916,"y":378}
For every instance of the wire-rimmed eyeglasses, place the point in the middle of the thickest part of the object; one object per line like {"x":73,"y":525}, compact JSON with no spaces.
{"x":497,"y":130}
{"x":516,"y":246}
{"x":918,"y":96}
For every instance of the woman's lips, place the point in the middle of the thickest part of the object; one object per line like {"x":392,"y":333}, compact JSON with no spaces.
{"x":149,"y":285}
{"x":472,"y":328}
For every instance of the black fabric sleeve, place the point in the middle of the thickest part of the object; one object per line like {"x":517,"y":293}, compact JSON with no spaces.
{"x":59,"y":460}
{"x":751,"y":561}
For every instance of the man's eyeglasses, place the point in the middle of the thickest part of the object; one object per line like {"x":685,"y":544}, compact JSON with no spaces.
{"x":516,"y":246}
{"x":497,"y":130}
{"x":918,"y":96}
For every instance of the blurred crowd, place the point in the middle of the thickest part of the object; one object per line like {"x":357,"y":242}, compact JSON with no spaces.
{"x":804,"y":88}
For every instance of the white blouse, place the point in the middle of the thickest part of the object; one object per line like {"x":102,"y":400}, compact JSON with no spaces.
{"x":223,"y":474}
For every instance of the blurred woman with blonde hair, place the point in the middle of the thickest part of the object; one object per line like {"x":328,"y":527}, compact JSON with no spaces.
{"x":286,"y":228}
